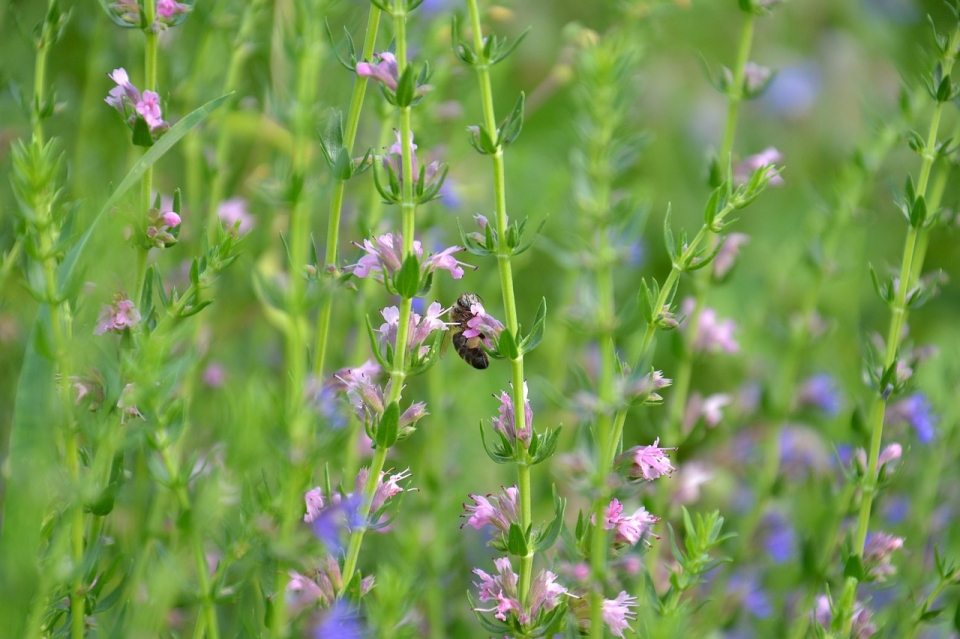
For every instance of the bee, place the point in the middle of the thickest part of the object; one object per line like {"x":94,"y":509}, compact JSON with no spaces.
{"x":468,"y":348}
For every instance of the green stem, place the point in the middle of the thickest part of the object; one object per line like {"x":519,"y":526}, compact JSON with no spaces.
{"x":408,"y":207}
{"x":295,"y":339}
{"x":507,"y":289}
{"x":243,"y":46}
{"x":61,"y":323}
{"x":897,"y":322}
{"x":208,"y":619}
{"x":146,"y":182}
{"x":681,"y":388}
{"x":331,"y":256}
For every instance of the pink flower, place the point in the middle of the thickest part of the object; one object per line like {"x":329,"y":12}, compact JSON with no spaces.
{"x":617,"y":613}
{"x":118,"y":317}
{"x":123,"y":90}
{"x":743,"y":171}
{"x":713,"y":335}
{"x":727,"y":256}
{"x":544,"y":594}
{"x":384,"y":256}
{"x":233,"y":212}
{"x":499,"y":511}
{"x":877,"y":553}
{"x":149,"y":109}
{"x":648,"y":462}
{"x":506,"y":423}
{"x":170,"y":9}
{"x":630,"y":529}
{"x":419,"y":329}
{"x":126,"y":403}
{"x":214,"y":375}
{"x":314,"y":502}
{"x":385,"y":70}
{"x":170,"y":218}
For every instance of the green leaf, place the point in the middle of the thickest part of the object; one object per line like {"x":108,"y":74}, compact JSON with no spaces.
{"x":517,"y":543}
{"x":513,"y":124}
{"x":407,"y":279}
{"x":406,"y":87}
{"x":532,"y":340}
{"x":32,"y":468}
{"x":69,"y":276}
{"x":389,"y":425}
{"x":507,"y":346}
{"x":854,"y":568}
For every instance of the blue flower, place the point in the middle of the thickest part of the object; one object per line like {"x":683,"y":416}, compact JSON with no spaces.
{"x":340,"y":622}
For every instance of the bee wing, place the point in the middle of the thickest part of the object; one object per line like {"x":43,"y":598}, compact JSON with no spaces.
{"x":447,"y":339}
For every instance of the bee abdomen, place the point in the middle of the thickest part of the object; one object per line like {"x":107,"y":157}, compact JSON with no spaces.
{"x":476,"y":356}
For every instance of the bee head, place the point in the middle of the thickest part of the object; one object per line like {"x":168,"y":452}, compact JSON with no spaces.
{"x":466,"y":300}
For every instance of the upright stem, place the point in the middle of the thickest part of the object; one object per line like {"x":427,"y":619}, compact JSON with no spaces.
{"x":506,"y":287}
{"x":61,"y":323}
{"x":146,"y":182}
{"x":243,"y":46}
{"x":682,"y":379}
{"x":331,"y":256}
{"x":898,"y":319}
{"x":408,"y":208}
{"x":295,"y":339}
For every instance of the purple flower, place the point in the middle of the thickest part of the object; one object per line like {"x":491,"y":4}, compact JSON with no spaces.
{"x":340,"y":622}
{"x":482,"y":326}
{"x":862,"y":627}
{"x":506,"y":423}
{"x":746,"y":589}
{"x":498,"y":511}
{"x":648,"y":462}
{"x":780,"y":539}
{"x":233,"y":213}
{"x":917,"y":411}
{"x":877,"y":552}
{"x":117,"y":317}
{"x":743,"y":171}
{"x":820,"y":391}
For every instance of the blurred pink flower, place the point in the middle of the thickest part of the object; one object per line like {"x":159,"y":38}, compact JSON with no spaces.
{"x":117,"y":317}
{"x":233,"y":212}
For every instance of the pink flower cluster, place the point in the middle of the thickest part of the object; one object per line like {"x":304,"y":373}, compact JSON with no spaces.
{"x":420,"y":328}
{"x":629,"y":529}
{"x":545,"y":592}
{"x":647,"y":462}
{"x":498,"y":511}
{"x":117,"y":317}
{"x":133,"y":105}
{"x":506,"y":423}
{"x":385,"y":257}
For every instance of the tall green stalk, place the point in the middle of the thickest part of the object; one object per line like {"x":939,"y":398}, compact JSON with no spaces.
{"x":295,"y":328}
{"x":331,"y":256}
{"x":146,"y":182}
{"x":509,"y":298}
{"x":398,"y":373}
{"x":910,"y":267}
{"x":243,"y":46}
{"x":701,"y":280}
